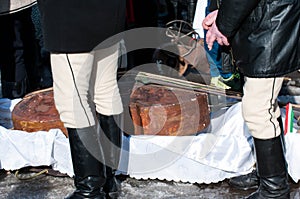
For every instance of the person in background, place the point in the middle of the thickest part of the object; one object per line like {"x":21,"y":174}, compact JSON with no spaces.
{"x":42,"y":55}
{"x":141,"y":14}
{"x":85,"y":87}
{"x":17,"y":49}
{"x":265,"y":39}
{"x":223,"y":72}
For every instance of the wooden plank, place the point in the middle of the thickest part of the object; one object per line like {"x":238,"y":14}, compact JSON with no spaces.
{"x":149,"y":78}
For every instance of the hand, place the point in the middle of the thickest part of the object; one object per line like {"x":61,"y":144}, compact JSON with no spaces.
{"x":209,"y":19}
{"x":213,"y":32}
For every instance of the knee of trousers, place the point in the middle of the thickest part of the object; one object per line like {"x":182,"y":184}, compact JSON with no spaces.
{"x":260,"y":122}
{"x":109,"y":101}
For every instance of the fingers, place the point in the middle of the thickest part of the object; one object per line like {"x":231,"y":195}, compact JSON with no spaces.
{"x":220,"y":41}
{"x":225,"y":41}
{"x":210,"y":39}
{"x":213,"y":34}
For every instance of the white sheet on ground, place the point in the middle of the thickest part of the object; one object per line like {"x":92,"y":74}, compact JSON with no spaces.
{"x":224,"y":151}
{"x":20,"y":149}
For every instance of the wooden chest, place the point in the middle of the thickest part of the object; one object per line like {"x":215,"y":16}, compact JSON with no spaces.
{"x":37,"y":112}
{"x":162,"y":110}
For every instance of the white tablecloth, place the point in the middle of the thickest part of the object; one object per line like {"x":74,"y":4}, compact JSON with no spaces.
{"x":224,"y":151}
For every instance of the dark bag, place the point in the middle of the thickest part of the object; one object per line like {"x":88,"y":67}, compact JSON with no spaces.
{"x":228,"y":65}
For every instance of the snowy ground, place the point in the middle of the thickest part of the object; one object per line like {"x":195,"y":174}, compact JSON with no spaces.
{"x":50,"y":187}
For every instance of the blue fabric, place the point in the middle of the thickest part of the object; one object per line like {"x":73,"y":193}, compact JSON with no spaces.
{"x":214,"y":56}
{"x":214,"y":71}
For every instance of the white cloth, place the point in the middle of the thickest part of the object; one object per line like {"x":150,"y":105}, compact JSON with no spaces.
{"x":292,"y":141}
{"x":224,"y":151}
{"x":11,"y":6}
{"x":21,"y":149}
{"x":292,"y":156}
{"x":199,"y":16}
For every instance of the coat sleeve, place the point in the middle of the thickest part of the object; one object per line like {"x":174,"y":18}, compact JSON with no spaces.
{"x":232,"y":13}
{"x":213,"y":5}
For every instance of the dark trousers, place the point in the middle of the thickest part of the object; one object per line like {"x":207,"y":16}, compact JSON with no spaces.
{"x":18,"y":48}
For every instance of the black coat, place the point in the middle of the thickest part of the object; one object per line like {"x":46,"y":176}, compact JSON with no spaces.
{"x":265,"y":35}
{"x":74,"y":26}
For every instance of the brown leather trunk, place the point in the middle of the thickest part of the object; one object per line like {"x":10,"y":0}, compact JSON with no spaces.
{"x":37,"y":112}
{"x":163,"y":110}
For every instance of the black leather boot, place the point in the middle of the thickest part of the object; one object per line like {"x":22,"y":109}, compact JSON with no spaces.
{"x":245,"y":182}
{"x":111,"y":140}
{"x":112,"y":187}
{"x":251,"y":180}
{"x":271,"y":167}
{"x":88,"y":164}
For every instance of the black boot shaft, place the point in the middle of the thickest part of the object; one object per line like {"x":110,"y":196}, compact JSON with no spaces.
{"x":270,"y":153}
{"x":88,"y":163}
{"x":271,"y":166}
{"x":111,"y":139}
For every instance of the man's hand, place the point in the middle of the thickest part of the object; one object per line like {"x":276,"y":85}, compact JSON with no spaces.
{"x":209,"y":19}
{"x":213,"y":33}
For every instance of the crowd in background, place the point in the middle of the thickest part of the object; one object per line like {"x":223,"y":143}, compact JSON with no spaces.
{"x":25,"y":63}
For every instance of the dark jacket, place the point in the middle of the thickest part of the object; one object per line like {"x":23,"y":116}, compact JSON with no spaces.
{"x":265,"y":35}
{"x":74,"y":26}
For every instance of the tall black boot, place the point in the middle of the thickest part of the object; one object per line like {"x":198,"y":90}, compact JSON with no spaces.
{"x":111,"y":139}
{"x":88,"y":163}
{"x":245,"y":182}
{"x":272,"y":170}
{"x":251,"y":180}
